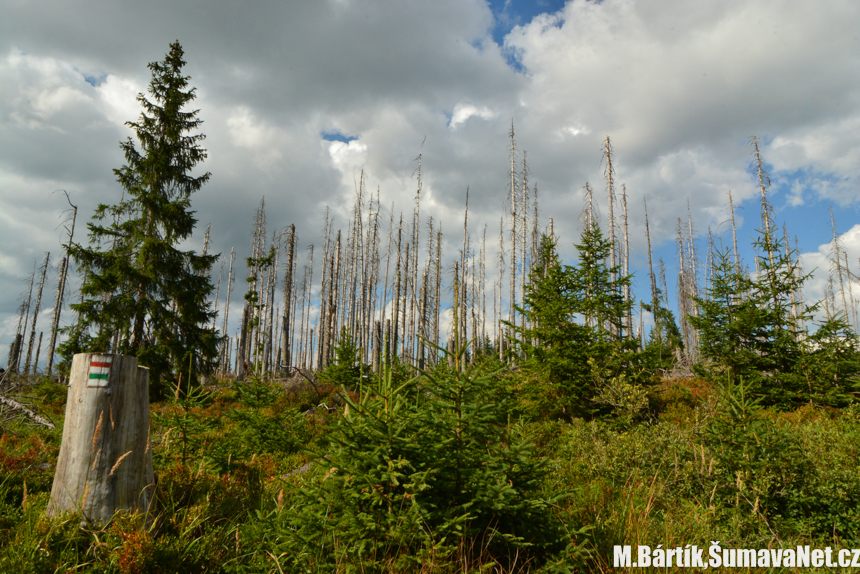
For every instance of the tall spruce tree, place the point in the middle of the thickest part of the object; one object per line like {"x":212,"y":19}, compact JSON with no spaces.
{"x":141,"y":294}
{"x":781,"y":347}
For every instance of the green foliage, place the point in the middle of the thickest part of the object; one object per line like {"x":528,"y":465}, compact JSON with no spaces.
{"x":665,"y":343}
{"x":143,"y":296}
{"x":347,"y":369}
{"x":406,"y":481}
{"x":731,"y":323}
{"x":749,"y":328}
{"x":258,"y":266}
{"x":831,"y":364}
{"x":247,"y":507}
{"x":598,"y":287}
{"x":50,"y":392}
{"x":556,"y":346}
{"x":256,"y":392}
{"x":628,"y":400}
{"x":258,"y":426}
{"x":832,"y":441}
{"x":781,"y":347}
{"x":761,"y":469}
{"x":183,"y":422}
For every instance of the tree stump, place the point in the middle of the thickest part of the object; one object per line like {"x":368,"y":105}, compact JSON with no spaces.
{"x":105,"y":460}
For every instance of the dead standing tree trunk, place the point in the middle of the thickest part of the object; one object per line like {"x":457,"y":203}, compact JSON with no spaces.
{"x":512,"y":318}
{"x":225,"y":359}
{"x":396,"y":301}
{"x":610,"y":192}
{"x":287,"y":328}
{"x":45,"y":266}
{"x":105,"y":460}
{"x":61,"y":289}
{"x":626,"y":266}
{"x":23,"y":319}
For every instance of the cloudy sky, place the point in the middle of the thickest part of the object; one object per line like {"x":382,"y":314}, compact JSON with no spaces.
{"x":298,"y":97}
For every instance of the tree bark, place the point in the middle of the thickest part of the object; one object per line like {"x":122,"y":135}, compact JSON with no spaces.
{"x":105,"y":460}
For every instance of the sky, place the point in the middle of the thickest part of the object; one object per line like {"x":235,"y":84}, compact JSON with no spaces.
{"x":297,"y":98}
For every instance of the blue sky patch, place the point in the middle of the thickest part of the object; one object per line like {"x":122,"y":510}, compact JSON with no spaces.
{"x":336,"y":136}
{"x":95,"y":81}
{"x":510,"y":13}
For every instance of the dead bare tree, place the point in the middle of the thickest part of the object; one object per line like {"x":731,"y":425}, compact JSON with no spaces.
{"x":734,"y":234}
{"x":387,"y":268}
{"x":422,"y":320}
{"x":498,"y":319}
{"x":307,"y":359}
{"x":23,"y":319}
{"x":44,"y":271}
{"x":655,"y":303}
{"x":225,"y":359}
{"x":838,"y":252}
{"x":463,"y":298}
{"x":609,"y":172}
{"x":406,"y":299}
{"x":397,"y":281}
{"x":286,"y":320}
{"x":325,"y":288}
{"x":437,"y":291}
{"x":626,"y":269}
{"x":456,"y":315}
{"x":764,"y":184}
{"x":513,"y":197}
{"x":535,"y":228}
{"x":483,"y":272}
{"x":416,"y":234}
{"x":524,"y":210}
{"x":61,"y":287}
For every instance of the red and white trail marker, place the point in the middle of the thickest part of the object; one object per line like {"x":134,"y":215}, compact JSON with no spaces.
{"x":99,"y":372}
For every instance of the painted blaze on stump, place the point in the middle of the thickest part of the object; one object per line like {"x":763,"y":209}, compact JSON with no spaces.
{"x":105,"y":461}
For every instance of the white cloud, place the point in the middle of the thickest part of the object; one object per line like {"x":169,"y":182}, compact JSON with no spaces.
{"x":264,"y":141}
{"x":463,"y":112}
{"x":574,"y":131}
{"x":352,"y":154}
{"x":679,"y":87}
{"x":42,"y":93}
{"x":120,"y":98}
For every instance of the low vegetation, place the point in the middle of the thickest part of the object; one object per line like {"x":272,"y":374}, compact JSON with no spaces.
{"x":438,"y":473}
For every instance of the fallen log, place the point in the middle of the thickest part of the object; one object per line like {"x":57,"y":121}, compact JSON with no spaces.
{"x":15,"y":405}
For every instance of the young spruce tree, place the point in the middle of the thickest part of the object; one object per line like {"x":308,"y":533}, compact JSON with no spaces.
{"x":142,"y":295}
{"x":569,"y":361}
{"x":556,"y":347}
{"x":732,"y":323}
{"x":750,"y":335}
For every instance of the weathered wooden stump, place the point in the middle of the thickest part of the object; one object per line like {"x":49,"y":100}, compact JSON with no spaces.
{"x":105,"y":460}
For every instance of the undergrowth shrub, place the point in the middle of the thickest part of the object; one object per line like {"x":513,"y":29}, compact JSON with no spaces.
{"x":831,"y":441}
{"x":422,"y":472}
{"x":763,"y":475}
